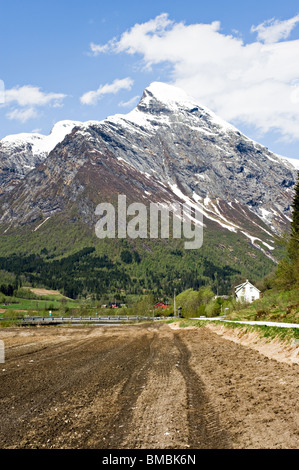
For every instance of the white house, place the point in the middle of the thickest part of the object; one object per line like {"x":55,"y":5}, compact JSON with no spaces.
{"x":247,"y":292}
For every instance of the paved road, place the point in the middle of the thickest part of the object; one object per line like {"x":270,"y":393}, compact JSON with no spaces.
{"x":268,"y":323}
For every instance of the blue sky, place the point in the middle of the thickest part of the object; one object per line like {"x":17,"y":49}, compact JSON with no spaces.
{"x":85,"y":60}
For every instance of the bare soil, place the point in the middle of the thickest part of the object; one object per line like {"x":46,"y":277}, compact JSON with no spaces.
{"x":39,"y":291}
{"x":145,"y":386}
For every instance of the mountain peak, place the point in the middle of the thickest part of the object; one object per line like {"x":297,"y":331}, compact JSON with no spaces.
{"x":161,"y":102}
{"x":168,"y":148}
{"x":167,"y":93}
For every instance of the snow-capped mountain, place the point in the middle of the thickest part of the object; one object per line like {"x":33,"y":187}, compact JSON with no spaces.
{"x":169,"y":148}
{"x":21,"y":153}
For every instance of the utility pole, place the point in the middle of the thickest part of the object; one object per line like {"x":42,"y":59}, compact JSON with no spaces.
{"x":174,"y":303}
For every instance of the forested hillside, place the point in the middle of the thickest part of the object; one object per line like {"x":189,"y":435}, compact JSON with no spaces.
{"x":79,"y":265}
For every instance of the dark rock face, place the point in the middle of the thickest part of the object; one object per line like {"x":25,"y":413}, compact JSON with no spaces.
{"x":167,"y":149}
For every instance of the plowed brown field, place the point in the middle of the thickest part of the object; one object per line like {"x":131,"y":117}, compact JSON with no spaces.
{"x":142,"y":386}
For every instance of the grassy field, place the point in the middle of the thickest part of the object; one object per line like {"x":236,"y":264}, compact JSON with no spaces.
{"x":29,"y":304}
{"x":43,"y":301}
{"x":278,"y":306}
{"x":46,"y":302}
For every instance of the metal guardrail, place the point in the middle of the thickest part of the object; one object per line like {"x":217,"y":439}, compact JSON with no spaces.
{"x":79,"y":320}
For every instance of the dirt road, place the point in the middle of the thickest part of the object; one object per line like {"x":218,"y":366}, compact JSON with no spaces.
{"x":142,"y":386}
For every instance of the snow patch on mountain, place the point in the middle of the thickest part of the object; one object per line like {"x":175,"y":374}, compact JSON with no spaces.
{"x":176,"y":98}
{"x":293,"y":161}
{"x":41,"y":144}
{"x":200,"y":207}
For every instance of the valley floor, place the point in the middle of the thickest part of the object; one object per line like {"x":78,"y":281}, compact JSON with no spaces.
{"x":143,"y":386}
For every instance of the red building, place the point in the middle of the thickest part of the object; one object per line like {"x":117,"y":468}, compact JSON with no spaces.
{"x":160,"y":305}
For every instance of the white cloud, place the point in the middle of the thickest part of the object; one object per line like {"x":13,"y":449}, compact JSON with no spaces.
{"x":129,"y":103}
{"x":92,"y":97}
{"x":271,"y":31}
{"x":139,"y":31}
{"x":295,"y":93}
{"x":96,"y":49}
{"x":29,"y":95}
{"x":28,"y":98}
{"x":243,"y":83}
{"x":22,"y":115}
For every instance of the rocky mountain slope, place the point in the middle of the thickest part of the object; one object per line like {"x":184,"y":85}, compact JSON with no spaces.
{"x":169,"y":148}
{"x":21,"y":153}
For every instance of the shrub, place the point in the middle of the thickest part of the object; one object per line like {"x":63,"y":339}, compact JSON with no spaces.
{"x":25,"y":294}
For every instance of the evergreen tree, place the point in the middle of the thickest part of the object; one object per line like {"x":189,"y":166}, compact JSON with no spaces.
{"x":287,"y":274}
